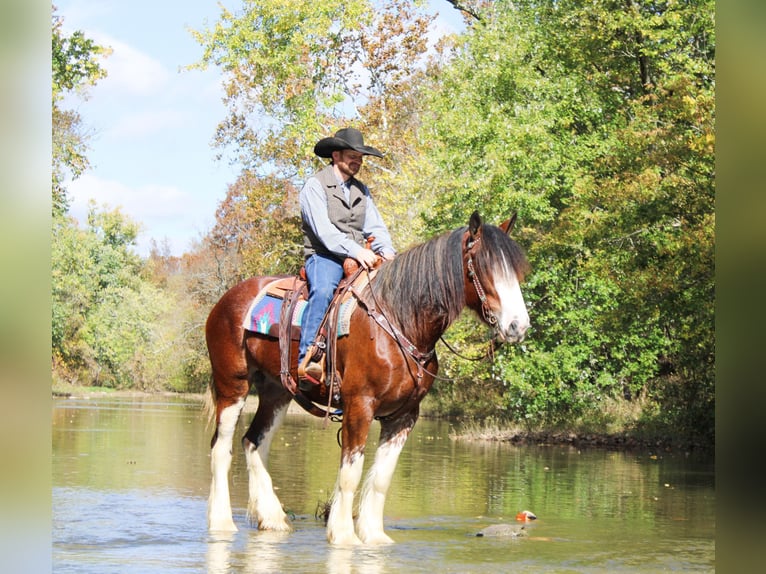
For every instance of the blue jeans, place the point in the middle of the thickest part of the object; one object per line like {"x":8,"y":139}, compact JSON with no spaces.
{"x":323,"y":275}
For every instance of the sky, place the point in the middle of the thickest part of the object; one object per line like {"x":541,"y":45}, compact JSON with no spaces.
{"x":151,"y":122}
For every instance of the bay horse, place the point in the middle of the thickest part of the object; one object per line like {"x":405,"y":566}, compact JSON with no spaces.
{"x":386,"y":364}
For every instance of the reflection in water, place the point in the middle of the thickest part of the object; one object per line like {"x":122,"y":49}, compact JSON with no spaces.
{"x":265,"y":552}
{"x":346,"y":560}
{"x":131,"y":478}
{"x":218,"y":555}
{"x":339,"y":560}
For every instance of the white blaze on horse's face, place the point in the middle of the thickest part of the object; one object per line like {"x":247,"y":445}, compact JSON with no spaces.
{"x":513,"y":319}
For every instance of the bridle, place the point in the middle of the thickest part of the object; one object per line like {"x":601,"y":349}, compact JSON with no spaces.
{"x":486,"y":310}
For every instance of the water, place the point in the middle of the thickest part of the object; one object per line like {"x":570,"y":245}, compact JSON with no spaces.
{"x":131,"y":478}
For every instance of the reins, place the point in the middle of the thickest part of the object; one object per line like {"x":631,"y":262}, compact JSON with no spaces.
{"x":488,"y":354}
{"x":368,"y":300}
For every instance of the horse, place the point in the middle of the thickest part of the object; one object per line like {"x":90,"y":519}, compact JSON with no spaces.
{"x":386,"y":365}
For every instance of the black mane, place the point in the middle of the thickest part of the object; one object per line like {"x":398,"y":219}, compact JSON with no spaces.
{"x":423,"y":287}
{"x":423,"y":283}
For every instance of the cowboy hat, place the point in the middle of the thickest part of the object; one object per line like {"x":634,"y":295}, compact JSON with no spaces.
{"x":346,"y":138}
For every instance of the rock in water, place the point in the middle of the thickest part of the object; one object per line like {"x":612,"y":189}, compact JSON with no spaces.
{"x":504,"y":530}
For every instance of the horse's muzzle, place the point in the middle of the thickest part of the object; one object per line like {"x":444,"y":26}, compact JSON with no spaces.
{"x":514,"y":332}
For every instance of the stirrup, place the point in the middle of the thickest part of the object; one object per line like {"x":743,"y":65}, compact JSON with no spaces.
{"x":312,"y":367}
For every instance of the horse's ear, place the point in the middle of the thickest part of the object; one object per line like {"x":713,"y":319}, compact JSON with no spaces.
{"x":474,"y":223}
{"x":507,"y":225}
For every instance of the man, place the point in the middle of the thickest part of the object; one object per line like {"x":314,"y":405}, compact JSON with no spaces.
{"x":338,"y":216}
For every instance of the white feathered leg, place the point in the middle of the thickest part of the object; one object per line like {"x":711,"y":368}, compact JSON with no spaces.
{"x":340,"y":523}
{"x":219,"y":504}
{"x":264,"y":508}
{"x":369,"y":524}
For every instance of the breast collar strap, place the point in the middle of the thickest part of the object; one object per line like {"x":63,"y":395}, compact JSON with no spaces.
{"x":406,"y":345}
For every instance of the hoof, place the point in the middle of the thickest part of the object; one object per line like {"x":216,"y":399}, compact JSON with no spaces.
{"x":343,"y":540}
{"x":222,"y":526}
{"x":283,"y":526}
{"x":377,"y":540}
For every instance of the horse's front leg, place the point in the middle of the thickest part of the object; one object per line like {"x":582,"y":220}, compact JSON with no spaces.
{"x":340,"y":522}
{"x":264,"y":508}
{"x":393,"y":435}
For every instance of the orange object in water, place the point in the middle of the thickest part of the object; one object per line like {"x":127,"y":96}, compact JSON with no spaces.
{"x":525,"y":516}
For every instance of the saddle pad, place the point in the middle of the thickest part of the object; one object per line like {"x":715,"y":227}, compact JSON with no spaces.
{"x":263,"y":314}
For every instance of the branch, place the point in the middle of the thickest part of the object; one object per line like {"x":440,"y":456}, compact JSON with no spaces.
{"x":458,"y":6}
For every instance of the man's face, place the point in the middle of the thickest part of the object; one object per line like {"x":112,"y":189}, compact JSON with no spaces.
{"x":348,"y":161}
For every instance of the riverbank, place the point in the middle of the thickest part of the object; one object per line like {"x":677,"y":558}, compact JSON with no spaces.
{"x":465,"y":430}
{"x":614,"y":441}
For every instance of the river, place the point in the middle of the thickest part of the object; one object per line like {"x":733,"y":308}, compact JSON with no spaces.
{"x":130,"y":479}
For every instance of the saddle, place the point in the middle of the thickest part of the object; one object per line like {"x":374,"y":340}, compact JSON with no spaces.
{"x":277,"y":311}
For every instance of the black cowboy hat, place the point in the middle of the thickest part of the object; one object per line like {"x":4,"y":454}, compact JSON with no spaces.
{"x":346,"y":138}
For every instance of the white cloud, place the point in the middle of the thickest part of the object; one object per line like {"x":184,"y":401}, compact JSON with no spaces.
{"x":129,"y":70}
{"x":164,"y":211}
{"x":143,"y":203}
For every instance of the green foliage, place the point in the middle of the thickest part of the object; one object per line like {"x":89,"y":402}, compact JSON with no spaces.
{"x":105,"y":311}
{"x":75,"y":67}
{"x":284,"y":64}
{"x":74,"y":60}
{"x":596,"y":122}
{"x":467,"y":385}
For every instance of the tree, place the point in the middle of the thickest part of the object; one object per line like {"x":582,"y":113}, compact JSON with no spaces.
{"x":75,"y":67}
{"x":596,"y":122}
{"x":296,"y":71}
{"x":258,"y":221}
{"x":105,"y":311}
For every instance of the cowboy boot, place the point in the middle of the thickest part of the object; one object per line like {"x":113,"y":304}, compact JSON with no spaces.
{"x":311,"y":369}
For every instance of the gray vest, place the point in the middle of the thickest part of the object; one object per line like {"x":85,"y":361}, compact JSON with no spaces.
{"x":347,"y":217}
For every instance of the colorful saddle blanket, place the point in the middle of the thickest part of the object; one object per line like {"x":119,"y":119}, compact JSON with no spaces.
{"x":263,"y":314}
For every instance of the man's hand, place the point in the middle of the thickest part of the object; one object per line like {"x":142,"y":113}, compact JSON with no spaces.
{"x":367,"y":258}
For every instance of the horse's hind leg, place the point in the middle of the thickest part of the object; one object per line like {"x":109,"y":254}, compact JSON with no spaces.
{"x":393,"y":435}
{"x":219,"y":504}
{"x":264,"y":508}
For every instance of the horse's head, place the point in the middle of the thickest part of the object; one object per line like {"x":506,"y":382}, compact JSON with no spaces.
{"x":494,"y":267}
